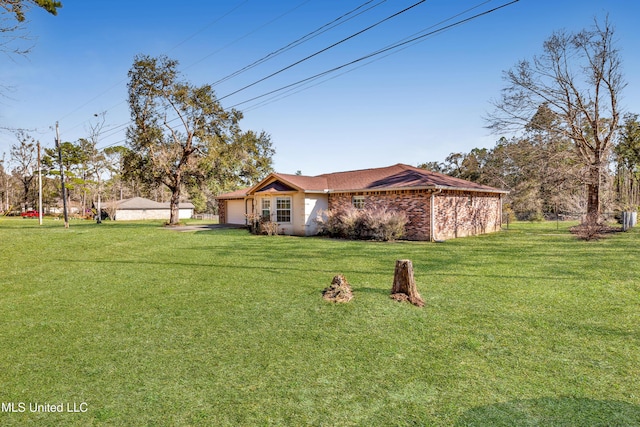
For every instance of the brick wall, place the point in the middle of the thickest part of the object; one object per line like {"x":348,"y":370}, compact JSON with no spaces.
{"x":222,"y":211}
{"x":457,"y":213}
{"x":416,"y":204}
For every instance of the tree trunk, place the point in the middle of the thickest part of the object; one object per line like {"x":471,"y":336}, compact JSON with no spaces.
{"x":174,"y":219}
{"x":593,"y":196}
{"x":404,"y":285}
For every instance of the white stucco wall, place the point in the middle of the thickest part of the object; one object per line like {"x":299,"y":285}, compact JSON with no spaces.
{"x":142,"y":214}
{"x":185,"y":213}
{"x":314,"y":204}
{"x":305,"y":208}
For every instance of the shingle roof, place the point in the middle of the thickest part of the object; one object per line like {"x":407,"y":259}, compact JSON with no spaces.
{"x":308,"y":183}
{"x":237,"y":194}
{"x":399,"y":176}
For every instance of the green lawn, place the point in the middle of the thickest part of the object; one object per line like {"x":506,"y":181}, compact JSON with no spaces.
{"x":149,"y":326}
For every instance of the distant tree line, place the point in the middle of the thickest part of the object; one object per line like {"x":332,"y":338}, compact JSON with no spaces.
{"x":545,"y":175}
{"x":182,"y":145}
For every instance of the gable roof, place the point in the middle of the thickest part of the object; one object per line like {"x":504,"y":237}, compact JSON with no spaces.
{"x":396,"y":177}
{"x":136,"y":203}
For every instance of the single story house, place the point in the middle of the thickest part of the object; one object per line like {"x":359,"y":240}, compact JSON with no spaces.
{"x":139,"y":208}
{"x":438,"y":207}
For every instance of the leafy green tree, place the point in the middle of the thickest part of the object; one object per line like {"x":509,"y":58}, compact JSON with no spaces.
{"x":17,"y":7}
{"x":243,"y":162}
{"x":73,"y":158}
{"x":433,"y":166}
{"x":181,"y":135}
{"x":578,"y":79}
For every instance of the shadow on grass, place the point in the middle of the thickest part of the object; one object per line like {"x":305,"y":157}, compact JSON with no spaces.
{"x":554,"y":411}
{"x":275,"y":268}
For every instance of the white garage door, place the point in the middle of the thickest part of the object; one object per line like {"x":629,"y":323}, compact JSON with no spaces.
{"x":235,"y":212}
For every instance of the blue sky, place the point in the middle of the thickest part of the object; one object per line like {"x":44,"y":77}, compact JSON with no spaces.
{"x":418,"y":104}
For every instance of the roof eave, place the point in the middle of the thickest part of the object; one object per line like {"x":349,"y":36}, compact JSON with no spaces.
{"x":423,"y":187}
{"x":477,"y":190}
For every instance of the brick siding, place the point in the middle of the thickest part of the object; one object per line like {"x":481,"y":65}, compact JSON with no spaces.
{"x":416,"y":204}
{"x":222,"y":211}
{"x":457,"y":213}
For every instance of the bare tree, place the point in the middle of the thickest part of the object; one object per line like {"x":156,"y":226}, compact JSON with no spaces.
{"x":578,"y":78}
{"x":96,"y":163}
{"x":12,"y":22}
{"x":4,"y":192}
{"x":23,"y":155}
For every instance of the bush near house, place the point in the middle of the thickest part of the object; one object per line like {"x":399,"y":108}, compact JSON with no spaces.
{"x":374,"y":223}
{"x":259,"y":225}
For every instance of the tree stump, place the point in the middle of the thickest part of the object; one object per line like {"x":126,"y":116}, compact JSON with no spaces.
{"x":339,"y":291}
{"x":404,"y":285}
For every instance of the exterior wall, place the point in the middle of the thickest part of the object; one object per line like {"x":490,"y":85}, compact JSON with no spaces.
{"x":460,"y":214}
{"x":185,"y":213}
{"x":304,"y":211}
{"x":314,"y":204}
{"x":416,"y":204}
{"x":222,"y":211}
{"x":296,"y":226}
{"x":456,"y":213}
{"x":142,"y":214}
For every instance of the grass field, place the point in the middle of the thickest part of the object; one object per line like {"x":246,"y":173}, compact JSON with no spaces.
{"x":137,"y":325}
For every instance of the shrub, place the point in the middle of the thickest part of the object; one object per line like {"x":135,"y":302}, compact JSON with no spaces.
{"x":590,"y":232}
{"x":367,"y":224}
{"x":260,"y":225}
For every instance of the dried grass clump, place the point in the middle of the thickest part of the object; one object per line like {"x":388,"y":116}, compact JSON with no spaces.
{"x":590,"y":232}
{"x":339,"y":291}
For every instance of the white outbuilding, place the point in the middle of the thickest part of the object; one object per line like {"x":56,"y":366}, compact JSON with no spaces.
{"x":139,"y":208}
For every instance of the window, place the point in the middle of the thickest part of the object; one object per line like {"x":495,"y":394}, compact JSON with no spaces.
{"x":266,"y":209}
{"x":283,"y":209}
{"x":358,"y":202}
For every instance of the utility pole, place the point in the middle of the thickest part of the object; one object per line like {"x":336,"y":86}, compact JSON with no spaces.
{"x":39,"y":187}
{"x":64,"y":190}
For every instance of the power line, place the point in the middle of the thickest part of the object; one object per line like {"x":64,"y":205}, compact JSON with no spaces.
{"x":324,"y":50}
{"x":390,"y":49}
{"x":305,"y":86}
{"x":249,"y":33}
{"x":378,"y":52}
{"x":309,"y":36}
